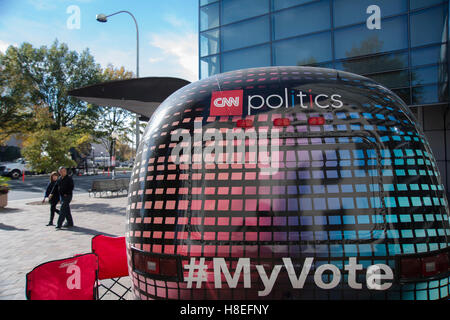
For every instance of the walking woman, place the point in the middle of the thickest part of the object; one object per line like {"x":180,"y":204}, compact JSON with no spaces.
{"x":52,"y":193}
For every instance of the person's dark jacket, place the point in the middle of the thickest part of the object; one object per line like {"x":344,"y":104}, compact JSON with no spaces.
{"x":65,"y":186}
{"x":53,"y":190}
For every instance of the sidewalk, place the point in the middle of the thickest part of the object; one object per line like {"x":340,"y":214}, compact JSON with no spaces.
{"x":26,"y":241}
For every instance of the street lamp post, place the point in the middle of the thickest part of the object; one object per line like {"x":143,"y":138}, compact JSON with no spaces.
{"x":114,"y":137}
{"x":103,"y":160}
{"x":104,"y":18}
{"x":93,"y":160}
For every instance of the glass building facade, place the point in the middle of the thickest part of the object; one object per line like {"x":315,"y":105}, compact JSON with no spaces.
{"x":406,"y":49}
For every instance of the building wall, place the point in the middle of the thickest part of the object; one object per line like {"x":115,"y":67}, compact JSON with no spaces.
{"x":408,"y":53}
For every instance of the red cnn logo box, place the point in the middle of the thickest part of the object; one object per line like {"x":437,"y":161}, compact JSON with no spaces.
{"x":227,"y":103}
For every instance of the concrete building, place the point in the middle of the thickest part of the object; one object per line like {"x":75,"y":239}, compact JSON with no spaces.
{"x":402,"y":44}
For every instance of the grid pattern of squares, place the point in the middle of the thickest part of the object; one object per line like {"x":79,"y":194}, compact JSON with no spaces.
{"x":363,"y":185}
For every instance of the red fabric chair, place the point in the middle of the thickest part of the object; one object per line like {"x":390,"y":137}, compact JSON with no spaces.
{"x":66,"y":279}
{"x":112,"y":256}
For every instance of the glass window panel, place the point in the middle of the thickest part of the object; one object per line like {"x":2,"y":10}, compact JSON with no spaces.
{"x":205,"y":2}
{"x":209,"y":66}
{"x":328,"y":65}
{"x":297,"y":21}
{"x":426,"y":75}
{"x":425,"y":94}
{"x":443,"y":77}
{"x":209,"y":16}
{"x":281,"y":4}
{"x":348,"y":12}
{"x":427,"y":26}
{"x":404,"y":94}
{"x":245,"y":33}
{"x":415,"y":4}
{"x":359,"y":41}
{"x":294,"y":52}
{"x":397,"y":79}
{"x":209,"y":42}
{"x":426,"y":55}
{"x":246,"y":58}
{"x":379,"y":63}
{"x":235,"y":10}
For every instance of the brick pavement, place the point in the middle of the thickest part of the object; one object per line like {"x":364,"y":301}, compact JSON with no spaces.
{"x":26,"y":241}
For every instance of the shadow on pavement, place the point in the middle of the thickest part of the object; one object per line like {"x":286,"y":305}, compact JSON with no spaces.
{"x":102,"y":208}
{"x":10,"y":228}
{"x":36,"y":203}
{"x":8,"y":210}
{"x":87,"y":231}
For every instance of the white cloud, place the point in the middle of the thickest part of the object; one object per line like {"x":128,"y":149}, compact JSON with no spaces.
{"x":177,"y":54}
{"x":4,"y":45}
{"x":118,"y":58}
{"x":47,"y":5}
{"x":154,"y":60}
{"x":173,"y":52}
{"x":174,"y":21}
{"x":42,"y":5}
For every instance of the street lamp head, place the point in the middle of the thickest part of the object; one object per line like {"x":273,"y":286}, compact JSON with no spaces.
{"x":101,"y":17}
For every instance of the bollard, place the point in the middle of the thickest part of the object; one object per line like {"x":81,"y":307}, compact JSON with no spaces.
{"x":23,"y":175}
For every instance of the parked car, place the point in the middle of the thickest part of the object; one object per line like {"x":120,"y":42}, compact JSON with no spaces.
{"x":14,"y":169}
{"x":126,"y":164}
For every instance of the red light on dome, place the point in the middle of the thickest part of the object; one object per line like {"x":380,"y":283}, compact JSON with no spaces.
{"x":316,"y":121}
{"x":244,"y":123}
{"x":281,"y":122}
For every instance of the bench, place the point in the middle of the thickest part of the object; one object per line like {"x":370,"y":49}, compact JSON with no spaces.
{"x":105,"y":186}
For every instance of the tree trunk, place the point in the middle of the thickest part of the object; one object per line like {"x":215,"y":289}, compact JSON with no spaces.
{"x":3,"y":200}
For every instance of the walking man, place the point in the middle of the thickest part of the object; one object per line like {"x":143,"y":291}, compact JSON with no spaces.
{"x":65,"y":184}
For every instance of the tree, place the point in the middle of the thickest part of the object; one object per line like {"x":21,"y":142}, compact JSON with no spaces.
{"x":123,"y":151}
{"x":42,"y":77}
{"x":48,"y":149}
{"x":15,"y":104}
{"x":34,"y":103}
{"x":35,"y":107}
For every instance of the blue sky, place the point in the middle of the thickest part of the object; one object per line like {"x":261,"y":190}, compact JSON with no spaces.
{"x":168,"y":32}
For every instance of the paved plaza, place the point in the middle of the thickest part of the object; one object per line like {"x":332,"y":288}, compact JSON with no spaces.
{"x":26,"y":241}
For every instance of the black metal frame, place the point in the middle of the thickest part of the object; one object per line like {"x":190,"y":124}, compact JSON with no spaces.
{"x":116,"y":281}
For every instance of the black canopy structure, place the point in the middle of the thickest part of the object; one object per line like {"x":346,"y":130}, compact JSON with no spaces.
{"x":141,"y":95}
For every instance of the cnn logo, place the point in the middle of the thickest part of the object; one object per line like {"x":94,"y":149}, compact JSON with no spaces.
{"x":227,"y":103}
